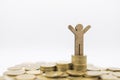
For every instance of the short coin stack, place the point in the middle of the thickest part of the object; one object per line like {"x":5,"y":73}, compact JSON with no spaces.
{"x":63,"y":66}
{"x":48,"y":67}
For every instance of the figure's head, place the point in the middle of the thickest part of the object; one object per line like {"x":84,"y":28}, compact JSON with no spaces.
{"x":79,"y":27}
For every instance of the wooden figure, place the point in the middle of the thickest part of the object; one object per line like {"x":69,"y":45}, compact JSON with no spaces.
{"x":79,"y":38}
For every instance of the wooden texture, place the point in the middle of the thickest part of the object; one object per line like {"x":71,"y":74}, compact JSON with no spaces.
{"x":79,"y":32}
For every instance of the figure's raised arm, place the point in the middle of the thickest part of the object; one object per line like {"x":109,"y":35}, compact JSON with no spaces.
{"x":72,"y":29}
{"x":86,"y":29}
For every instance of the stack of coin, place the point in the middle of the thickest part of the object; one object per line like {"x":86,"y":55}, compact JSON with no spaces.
{"x":80,"y":67}
{"x":79,"y":59}
{"x":47,"y":67}
{"x":63,"y":66}
{"x":79,"y":63}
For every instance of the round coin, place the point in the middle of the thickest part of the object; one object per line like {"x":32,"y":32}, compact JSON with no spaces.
{"x":113,"y":69}
{"x":15,"y":72}
{"x":26,"y":77}
{"x":93,"y":73}
{"x":75,"y":73}
{"x":35,"y":72}
{"x":108,"y":77}
{"x":116,"y":74}
{"x":53,"y":74}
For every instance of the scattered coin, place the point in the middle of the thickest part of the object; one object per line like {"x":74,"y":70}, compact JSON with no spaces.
{"x":93,"y":73}
{"x":64,"y":75}
{"x":1,"y":78}
{"x":116,"y":74}
{"x":26,"y":77}
{"x":53,"y":74}
{"x":113,"y":69}
{"x":93,"y":68}
{"x":14,"y":72}
{"x":75,"y":73}
{"x":15,"y":68}
{"x":35,"y":72}
{"x":108,"y":77}
{"x":106,"y":72}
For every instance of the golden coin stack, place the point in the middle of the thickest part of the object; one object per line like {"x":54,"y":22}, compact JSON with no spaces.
{"x":79,"y":63}
{"x":63,"y":66}
{"x":79,"y":66}
{"x":47,"y":67}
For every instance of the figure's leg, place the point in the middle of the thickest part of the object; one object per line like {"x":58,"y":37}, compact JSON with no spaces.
{"x":77,"y":46}
{"x":81,"y":47}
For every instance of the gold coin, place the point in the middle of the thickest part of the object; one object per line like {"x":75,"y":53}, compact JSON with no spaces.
{"x":35,"y":72}
{"x":113,"y":69}
{"x":93,"y":68}
{"x":64,"y":75}
{"x":1,"y":78}
{"x":106,"y":72}
{"x":92,"y":78}
{"x":26,"y":77}
{"x":93,"y":73}
{"x":32,"y":67}
{"x":75,"y":78}
{"x":53,"y":74}
{"x":116,"y":74}
{"x":108,"y":77}
{"x":75,"y":73}
{"x":15,"y":72}
{"x":41,"y":77}
{"x":15,"y":68}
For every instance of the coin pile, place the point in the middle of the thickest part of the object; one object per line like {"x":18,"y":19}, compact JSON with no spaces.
{"x":22,"y":72}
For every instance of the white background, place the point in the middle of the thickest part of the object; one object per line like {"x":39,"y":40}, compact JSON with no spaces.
{"x":37,"y":30}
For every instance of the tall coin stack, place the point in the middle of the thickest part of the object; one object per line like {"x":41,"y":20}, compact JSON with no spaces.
{"x":79,"y":63}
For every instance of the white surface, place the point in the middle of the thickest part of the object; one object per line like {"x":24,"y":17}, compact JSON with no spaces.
{"x":36,"y":30}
